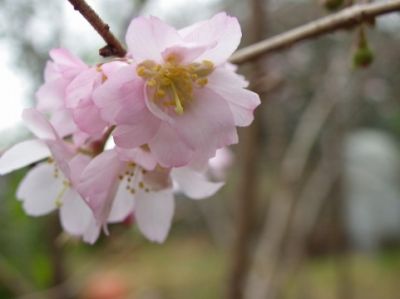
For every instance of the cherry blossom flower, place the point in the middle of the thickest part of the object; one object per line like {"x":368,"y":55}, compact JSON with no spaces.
{"x":58,"y":74}
{"x":145,"y":186}
{"x":66,"y":95}
{"x":78,"y":98}
{"x":172,"y":103}
{"x":180,"y":97}
{"x":51,"y":184}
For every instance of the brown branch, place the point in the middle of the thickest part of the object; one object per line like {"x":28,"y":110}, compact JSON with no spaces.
{"x":114,"y":46}
{"x":345,"y":19}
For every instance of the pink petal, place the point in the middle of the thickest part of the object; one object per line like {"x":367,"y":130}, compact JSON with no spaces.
{"x":51,"y":72}
{"x":199,"y":161}
{"x":66,"y":58}
{"x":226,"y":77}
{"x":138,"y":155}
{"x":185,"y":54}
{"x":169,"y":149}
{"x":81,"y":87}
{"x":50,"y":96}
{"x":228,"y":86}
{"x":194,"y":184}
{"x":75,"y":214}
{"x":63,"y":123}
{"x":38,"y":124}
{"x":110,"y":68}
{"x":147,"y":37}
{"x":243,"y":117}
{"x":153,"y":213}
{"x":121,"y":95}
{"x":39,"y":190}
{"x":87,"y":117}
{"x":242,"y":102}
{"x":130,"y":136}
{"x":76,"y":166}
{"x":99,"y":182}
{"x":207,"y":123}
{"x":62,"y":154}
{"x":23,"y":154}
{"x":66,"y":63}
{"x":222,"y":29}
{"x":79,"y":138}
{"x":154,"y":107}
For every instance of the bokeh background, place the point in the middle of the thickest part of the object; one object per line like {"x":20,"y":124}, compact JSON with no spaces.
{"x":311,"y":205}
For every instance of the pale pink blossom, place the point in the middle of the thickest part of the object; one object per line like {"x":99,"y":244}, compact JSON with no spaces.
{"x":58,"y":74}
{"x":145,"y":187}
{"x":66,"y":95}
{"x":180,"y":97}
{"x":78,"y":98}
{"x":51,"y":184}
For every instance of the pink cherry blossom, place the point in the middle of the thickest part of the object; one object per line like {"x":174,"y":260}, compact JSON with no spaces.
{"x":50,"y":97}
{"x":78,"y":98}
{"x":180,"y":97}
{"x":133,"y":177}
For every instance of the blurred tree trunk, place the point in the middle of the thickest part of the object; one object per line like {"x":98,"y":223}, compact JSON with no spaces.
{"x":286,"y":201}
{"x":247,"y":189}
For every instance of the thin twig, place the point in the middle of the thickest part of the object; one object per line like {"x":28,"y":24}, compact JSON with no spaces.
{"x":114,"y":46}
{"x":345,"y":19}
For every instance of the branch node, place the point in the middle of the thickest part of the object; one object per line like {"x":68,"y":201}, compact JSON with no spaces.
{"x":108,"y":51}
{"x":114,"y":46}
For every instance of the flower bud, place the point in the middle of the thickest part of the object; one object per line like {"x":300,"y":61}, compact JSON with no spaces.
{"x":363,"y":55}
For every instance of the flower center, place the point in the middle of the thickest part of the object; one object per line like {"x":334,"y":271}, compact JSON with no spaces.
{"x":172,"y":83}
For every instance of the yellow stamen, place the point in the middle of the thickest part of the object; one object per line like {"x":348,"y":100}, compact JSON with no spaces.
{"x":58,"y":201}
{"x":178,"y":104}
{"x":172,"y":83}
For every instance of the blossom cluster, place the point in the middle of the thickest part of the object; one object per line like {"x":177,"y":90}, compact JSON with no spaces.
{"x":170,"y":105}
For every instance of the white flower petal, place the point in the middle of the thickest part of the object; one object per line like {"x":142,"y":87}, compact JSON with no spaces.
{"x":122,"y":205}
{"x":75,"y":214}
{"x":23,"y":154}
{"x":92,"y":232}
{"x":39,"y":190}
{"x":194,"y":184}
{"x":153,"y":213}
